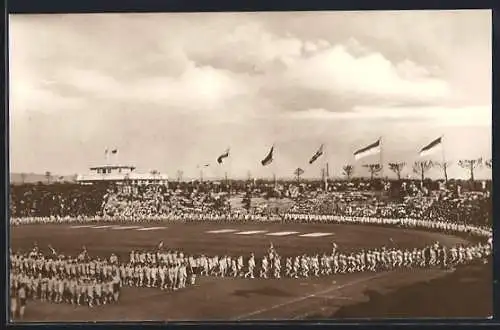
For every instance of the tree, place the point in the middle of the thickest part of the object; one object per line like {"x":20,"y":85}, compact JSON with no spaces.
{"x":298,"y":172}
{"x":374,"y":169}
{"x":444,"y":166}
{"x":397,"y":168}
{"x":348,"y":170}
{"x":488,"y":163}
{"x":471,"y":165}
{"x":421,"y":167}
{"x":48,"y":176}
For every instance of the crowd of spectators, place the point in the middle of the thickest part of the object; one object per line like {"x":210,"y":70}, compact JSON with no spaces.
{"x":58,"y":200}
{"x":149,"y":201}
{"x":213,"y":200}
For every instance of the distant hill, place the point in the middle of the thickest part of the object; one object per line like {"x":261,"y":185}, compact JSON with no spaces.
{"x":20,"y":178}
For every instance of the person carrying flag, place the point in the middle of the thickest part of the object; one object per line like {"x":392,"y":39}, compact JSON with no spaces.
{"x":316,"y":155}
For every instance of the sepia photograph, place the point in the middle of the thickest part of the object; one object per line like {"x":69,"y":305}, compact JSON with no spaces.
{"x":242,"y":166}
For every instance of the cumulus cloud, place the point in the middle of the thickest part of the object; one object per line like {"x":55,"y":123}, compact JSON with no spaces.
{"x":240,"y":78}
{"x":370,"y":76}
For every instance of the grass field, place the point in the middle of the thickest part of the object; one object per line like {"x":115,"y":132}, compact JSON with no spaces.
{"x":234,"y":299}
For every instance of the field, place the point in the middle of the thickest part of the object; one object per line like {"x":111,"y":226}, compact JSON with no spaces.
{"x":235,"y":299}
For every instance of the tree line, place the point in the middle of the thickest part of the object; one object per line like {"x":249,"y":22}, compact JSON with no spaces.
{"x":421,"y":168}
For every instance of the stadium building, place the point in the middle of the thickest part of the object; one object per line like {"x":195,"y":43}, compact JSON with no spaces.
{"x":121,"y":175}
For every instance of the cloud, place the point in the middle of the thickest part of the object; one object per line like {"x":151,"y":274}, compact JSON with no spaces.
{"x":178,"y":82}
{"x":434,"y":116}
{"x":371,"y":77}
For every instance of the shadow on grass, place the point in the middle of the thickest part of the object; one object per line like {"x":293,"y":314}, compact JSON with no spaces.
{"x":467,"y":292}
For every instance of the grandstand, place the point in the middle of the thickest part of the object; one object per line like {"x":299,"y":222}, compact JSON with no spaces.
{"x":121,"y":175}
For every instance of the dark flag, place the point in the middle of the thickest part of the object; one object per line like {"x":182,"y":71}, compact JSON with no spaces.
{"x":316,"y":155}
{"x":114,"y":151}
{"x":269,"y":158}
{"x":220,"y":159}
{"x":52,"y":250}
{"x":372,"y":149}
{"x":431,"y":147}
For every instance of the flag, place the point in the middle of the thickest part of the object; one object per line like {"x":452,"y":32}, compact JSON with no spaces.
{"x":431,"y":147}
{"x":221,"y":157}
{"x":316,"y":155}
{"x":269,"y":158}
{"x":369,"y":150}
{"x":52,"y":250}
{"x":160,"y":245}
{"x":114,"y":151}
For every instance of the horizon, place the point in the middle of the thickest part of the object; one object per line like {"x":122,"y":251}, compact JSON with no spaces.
{"x":173,"y":91}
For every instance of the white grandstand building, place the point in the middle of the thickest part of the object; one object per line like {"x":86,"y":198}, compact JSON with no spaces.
{"x":121,"y":174}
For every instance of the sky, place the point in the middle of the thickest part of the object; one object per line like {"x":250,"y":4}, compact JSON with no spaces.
{"x":172,"y":91}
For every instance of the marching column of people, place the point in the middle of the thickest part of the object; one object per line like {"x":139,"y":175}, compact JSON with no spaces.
{"x":92,"y":282}
{"x":154,"y":269}
{"x":326,"y":264}
{"x":60,"y":279}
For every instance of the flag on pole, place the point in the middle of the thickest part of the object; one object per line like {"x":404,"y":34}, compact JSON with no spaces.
{"x":114,"y":151}
{"x":220,"y":159}
{"x":372,"y":149}
{"x":431,"y":147}
{"x":316,"y":155}
{"x":160,"y":245}
{"x":269,"y":158}
{"x":52,"y":250}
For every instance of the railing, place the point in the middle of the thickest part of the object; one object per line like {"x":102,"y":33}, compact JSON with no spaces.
{"x":122,"y":177}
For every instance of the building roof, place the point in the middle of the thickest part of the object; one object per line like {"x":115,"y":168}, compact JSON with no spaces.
{"x":113,"y":167}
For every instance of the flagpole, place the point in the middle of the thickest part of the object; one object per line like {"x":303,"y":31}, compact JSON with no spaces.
{"x":273,"y":167}
{"x":327,"y":177}
{"x":325,"y":162}
{"x":381,"y":159}
{"x":274,"y":170}
{"x":230,"y":165}
{"x":443,"y":155}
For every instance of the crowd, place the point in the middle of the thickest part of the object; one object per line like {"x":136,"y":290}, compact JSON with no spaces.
{"x":56,"y":200}
{"x":144,"y":202}
{"x":469,"y":208}
{"x":210,"y":202}
{"x":84,"y":280}
{"x":91,"y":281}
{"x":59,"y":279}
